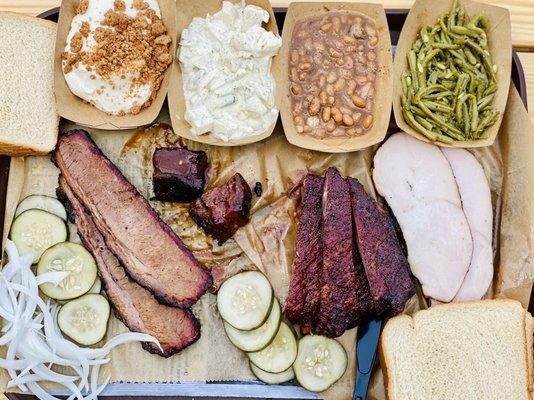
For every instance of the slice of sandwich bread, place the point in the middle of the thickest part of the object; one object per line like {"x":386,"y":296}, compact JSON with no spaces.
{"x":28,"y":117}
{"x":463,"y":351}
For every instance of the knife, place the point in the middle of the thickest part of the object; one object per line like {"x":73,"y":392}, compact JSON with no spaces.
{"x":366,"y":349}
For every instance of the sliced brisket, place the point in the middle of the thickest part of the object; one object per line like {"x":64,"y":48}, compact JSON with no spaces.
{"x":339,"y":299}
{"x":221,"y":211}
{"x":385,"y":265}
{"x":305,"y":288}
{"x":179,"y":174}
{"x":133,"y":305}
{"x":152,"y":254}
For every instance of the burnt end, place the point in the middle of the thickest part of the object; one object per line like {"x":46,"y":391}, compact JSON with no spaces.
{"x":339,"y":300}
{"x":385,"y":264}
{"x":221,"y":211}
{"x":305,"y":287}
{"x":179,"y":174}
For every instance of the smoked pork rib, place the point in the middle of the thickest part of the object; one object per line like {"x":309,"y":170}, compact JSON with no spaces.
{"x":133,"y":305}
{"x":152,"y":254}
{"x":339,"y":299}
{"x":385,"y":264}
{"x":365,"y":304}
{"x":305,"y":287}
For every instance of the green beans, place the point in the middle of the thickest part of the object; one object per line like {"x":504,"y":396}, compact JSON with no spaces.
{"x":450,"y":82}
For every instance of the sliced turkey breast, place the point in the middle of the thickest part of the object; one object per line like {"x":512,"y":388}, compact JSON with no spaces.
{"x":417,"y":181}
{"x":408,"y":172}
{"x":439,"y":246}
{"x":476,"y":201}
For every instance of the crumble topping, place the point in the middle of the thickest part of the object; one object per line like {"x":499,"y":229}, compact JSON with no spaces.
{"x":123,"y":44}
{"x":82,"y":7}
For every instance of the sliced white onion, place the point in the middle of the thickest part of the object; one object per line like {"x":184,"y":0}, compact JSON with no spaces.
{"x":55,"y":278}
{"x":35,"y":342}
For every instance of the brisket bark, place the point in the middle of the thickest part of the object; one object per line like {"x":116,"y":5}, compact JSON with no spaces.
{"x":133,"y":305}
{"x":385,"y":264}
{"x":152,"y":254}
{"x":339,"y":300}
{"x":305,"y":288}
{"x":179,"y":174}
{"x":221,"y":211}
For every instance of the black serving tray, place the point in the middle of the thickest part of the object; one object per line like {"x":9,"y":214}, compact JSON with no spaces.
{"x":231,"y":390}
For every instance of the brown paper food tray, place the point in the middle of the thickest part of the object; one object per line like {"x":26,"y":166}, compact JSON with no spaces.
{"x":516,"y":151}
{"x":383,"y":88}
{"x":73,"y":108}
{"x":187,"y":10}
{"x":427,"y":12}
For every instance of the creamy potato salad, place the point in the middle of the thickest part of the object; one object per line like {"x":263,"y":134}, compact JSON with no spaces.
{"x":226,"y":65}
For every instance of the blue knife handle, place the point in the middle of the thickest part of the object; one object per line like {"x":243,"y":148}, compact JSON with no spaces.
{"x":366,"y":349}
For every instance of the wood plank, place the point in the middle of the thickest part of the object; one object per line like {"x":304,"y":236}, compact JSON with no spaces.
{"x":521,"y":11}
{"x":527,"y":60}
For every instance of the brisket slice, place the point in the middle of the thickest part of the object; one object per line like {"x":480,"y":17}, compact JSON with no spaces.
{"x":339,"y":301}
{"x":385,"y":264}
{"x":133,"y":305}
{"x":152,"y":254}
{"x":305,"y":288}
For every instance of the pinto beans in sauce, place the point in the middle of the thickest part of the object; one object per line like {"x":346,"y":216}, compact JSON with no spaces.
{"x":332,"y":71}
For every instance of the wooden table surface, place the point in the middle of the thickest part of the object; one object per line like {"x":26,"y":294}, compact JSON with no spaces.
{"x":521,"y":14}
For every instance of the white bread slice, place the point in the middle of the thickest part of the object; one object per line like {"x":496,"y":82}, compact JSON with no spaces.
{"x":28,"y":117}
{"x":460,"y":351}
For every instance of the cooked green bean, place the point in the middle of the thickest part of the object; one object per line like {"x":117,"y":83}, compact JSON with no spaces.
{"x":424,"y":122}
{"x":470,"y":57}
{"x":484,"y":102}
{"x":412,"y":61}
{"x":438,"y":107}
{"x":437,"y":95}
{"x":467,"y":122}
{"x":474,"y":112}
{"x":445,"y":46}
{"x":451,"y":81}
{"x":411,"y":120}
{"x":448,"y":128}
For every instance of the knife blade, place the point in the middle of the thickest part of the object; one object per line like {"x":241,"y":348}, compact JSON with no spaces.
{"x":366,"y":349}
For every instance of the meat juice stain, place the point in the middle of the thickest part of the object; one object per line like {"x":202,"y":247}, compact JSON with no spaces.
{"x":143,"y":143}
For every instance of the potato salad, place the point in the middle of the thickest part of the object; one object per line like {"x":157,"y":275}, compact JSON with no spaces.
{"x":226,"y":61}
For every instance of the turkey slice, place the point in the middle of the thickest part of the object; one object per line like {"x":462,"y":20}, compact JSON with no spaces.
{"x":476,"y":201}
{"x":417,"y":181}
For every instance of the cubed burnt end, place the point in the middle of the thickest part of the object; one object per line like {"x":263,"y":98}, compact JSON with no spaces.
{"x":179,"y":174}
{"x":221,"y":211}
